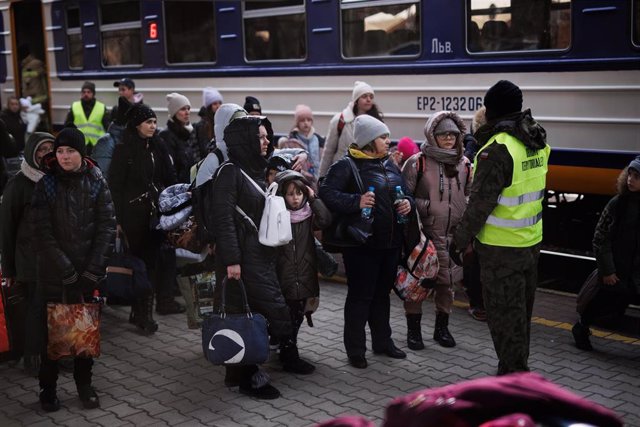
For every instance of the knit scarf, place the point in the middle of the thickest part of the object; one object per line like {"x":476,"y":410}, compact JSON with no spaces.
{"x":358,"y":154}
{"x":301,"y":214}
{"x":313,"y":147}
{"x":30,"y":172}
{"x":442,"y":155}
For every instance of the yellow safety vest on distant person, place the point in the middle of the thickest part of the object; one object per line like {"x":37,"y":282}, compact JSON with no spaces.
{"x":517,"y":219}
{"x":91,"y":127}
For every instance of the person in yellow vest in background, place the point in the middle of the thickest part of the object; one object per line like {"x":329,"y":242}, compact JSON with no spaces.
{"x":88,"y":115}
{"x":503,"y":221}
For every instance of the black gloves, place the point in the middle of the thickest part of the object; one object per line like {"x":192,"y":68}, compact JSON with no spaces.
{"x":456,"y":253}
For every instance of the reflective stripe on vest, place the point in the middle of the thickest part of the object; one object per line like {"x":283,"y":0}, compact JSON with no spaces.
{"x":517,"y":219}
{"x":91,"y":127}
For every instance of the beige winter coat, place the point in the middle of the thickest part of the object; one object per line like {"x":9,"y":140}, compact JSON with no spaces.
{"x":336,"y":147}
{"x":440,"y":211}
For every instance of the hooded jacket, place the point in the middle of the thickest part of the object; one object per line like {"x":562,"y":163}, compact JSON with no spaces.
{"x":18,"y":248}
{"x":235,"y":236}
{"x":74,"y":222}
{"x":297,"y":261}
{"x":440,"y":199}
{"x":494,"y":169}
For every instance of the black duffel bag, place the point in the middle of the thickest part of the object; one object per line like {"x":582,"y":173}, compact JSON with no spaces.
{"x":127,"y":277}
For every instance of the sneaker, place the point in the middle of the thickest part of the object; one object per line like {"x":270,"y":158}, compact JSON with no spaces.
{"x":169,"y":306}
{"x":581,"y":336}
{"x":478,"y":314}
{"x":266,"y":392}
{"x":88,"y":397}
{"x":48,"y":400}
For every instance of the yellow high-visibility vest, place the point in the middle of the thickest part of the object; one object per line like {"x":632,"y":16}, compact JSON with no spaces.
{"x":517,"y":219}
{"x":91,"y":127}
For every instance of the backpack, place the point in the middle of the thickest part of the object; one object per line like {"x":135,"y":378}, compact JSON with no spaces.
{"x":275,"y":224}
{"x":340,"y":125}
{"x":201,"y":193}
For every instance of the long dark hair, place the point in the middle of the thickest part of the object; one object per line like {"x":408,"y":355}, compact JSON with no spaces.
{"x":373,"y":112}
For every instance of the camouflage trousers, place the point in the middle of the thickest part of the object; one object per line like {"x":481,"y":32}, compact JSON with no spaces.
{"x":509,"y":279}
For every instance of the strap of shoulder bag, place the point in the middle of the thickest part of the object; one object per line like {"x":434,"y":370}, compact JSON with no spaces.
{"x":356,"y":174}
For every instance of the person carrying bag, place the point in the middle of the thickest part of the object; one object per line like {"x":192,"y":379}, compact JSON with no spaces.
{"x":127,"y":277}
{"x":72,"y":200}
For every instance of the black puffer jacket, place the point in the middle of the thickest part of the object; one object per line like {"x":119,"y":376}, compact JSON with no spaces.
{"x":236,"y":239}
{"x":137,"y":164}
{"x":74,"y":222}
{"x":182,"y":147}
{"x":17,"y":128}
{"x":339,"y":192}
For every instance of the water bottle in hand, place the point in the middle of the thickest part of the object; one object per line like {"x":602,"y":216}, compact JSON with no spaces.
{"x":366,"y":211}
{"x":400,"y":219}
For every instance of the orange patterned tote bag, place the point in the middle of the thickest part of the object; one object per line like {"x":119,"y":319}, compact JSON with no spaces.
{"x":74,"y":330}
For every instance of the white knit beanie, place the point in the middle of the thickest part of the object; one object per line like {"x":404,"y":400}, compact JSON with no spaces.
{"x":210,"y":95}
{"x":366,"y":129}
{"x":176,"y":102}
{"x":359,"y":89}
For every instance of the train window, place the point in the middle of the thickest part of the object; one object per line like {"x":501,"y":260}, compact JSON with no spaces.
{"x":74,"y":38}
{"x":635,"y":22}
{"x":374,"y":29}
{"x":516,"y":25}
{"x":275,"y":30}
{"x":120,"y":30}
{"x":189,"y":31}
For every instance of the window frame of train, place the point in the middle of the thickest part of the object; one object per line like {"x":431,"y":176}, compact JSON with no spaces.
{"x":270,"y":14}
{"x":75,"y":48}
{"x":180,"y":50}
{"x":350,"y":42}
{"x":555,"y":26}
{"x":121,"y":24}
{"x":635,"y":23}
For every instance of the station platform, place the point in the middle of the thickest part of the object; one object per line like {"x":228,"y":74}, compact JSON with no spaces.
{"x":163,"y":380}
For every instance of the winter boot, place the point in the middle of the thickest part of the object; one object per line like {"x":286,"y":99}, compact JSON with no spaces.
{"x":49,"y":400}
{"x":142,"y":315}
{"x":290,"y":358}
{"x":441,"y":332}
{"x":169,"y":305}
{"x":88,"y":396}
{"x":414,"y":334}
{"x":581,"y":336}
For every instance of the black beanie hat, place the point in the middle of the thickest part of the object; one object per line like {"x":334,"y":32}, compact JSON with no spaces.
{"x":252,"y":104}
{"x":501,"y":99}
{"x":139,"y":113}
{"x":70,"y":137}
{"x":89,"y":85}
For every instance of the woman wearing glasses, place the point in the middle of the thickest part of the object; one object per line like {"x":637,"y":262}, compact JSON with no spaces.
{"x":439,"y":176}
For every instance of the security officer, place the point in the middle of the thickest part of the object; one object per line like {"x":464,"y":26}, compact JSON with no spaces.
{"x":504,"y":216}
{"x":89,"y":115}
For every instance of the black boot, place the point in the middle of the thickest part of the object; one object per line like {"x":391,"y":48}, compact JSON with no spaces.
{"x":581,"y":336}
{"x":88,"y":396}
{"x":169,"y":306}
{"x":142,"y":315}
{"x":414,"y":333}
{"x":49,"y":400}
{"x":290,"y":358}
{"x":441,"y":332}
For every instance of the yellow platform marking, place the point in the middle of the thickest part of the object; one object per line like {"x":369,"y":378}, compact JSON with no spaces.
{"x":567,"y":327}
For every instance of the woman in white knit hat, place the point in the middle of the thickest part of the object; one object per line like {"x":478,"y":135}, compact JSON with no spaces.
{"x":180,"y":136}
{"x":211,"y":101}
{"x":340,"y":133}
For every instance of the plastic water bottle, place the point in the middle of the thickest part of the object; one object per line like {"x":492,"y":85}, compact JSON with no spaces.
{"x":401,"y":219}
{"x":366,"y":211}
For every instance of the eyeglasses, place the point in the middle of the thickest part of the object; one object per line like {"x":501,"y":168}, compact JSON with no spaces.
{"x":447,"y":135}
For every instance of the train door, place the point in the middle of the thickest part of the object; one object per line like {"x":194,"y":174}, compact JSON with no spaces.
{"x":30,"y":60}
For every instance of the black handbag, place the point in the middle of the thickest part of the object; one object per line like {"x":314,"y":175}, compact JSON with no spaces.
{"x":235,"y":339}
{"x":349,"y":230}
{"x":127,"y":276}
